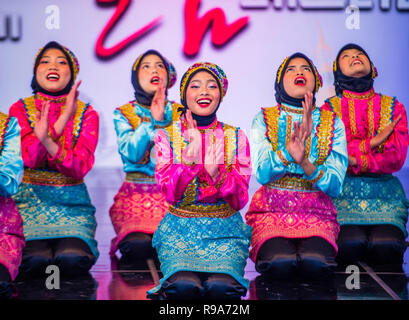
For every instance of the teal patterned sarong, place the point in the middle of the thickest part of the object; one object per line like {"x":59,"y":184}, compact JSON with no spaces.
{"x":215,"y":245}
{"x":51,"y":212}
{"x":373,"y":199}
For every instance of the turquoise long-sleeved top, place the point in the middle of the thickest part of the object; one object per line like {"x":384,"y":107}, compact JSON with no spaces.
{"x":11,"y":161}
{"x":326,"y":148}
{"x":136,"y":128}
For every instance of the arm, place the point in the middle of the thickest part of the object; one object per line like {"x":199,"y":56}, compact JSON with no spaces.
{"x":11,"y":163}
{"x":329,"y":176}
{"x":77,"y":162}
{"x":33,"y":152}
{"x":172,"y":177}
{"x":267,"y":163}
{"x":133,"y":143}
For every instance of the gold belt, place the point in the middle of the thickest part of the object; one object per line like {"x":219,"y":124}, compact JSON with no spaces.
{"x":50,"y":178}
{"x":202,"y":211}
{"x":139,"y":177}
{"x":292,"y":182}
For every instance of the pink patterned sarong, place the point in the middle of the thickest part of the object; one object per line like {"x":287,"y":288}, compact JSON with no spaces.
{"x":138,"y":207}
{"x":11,"y":236}
{"x":291,"y":214}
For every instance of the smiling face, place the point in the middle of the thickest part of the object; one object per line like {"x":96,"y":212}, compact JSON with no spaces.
{"x":354,"y":63}
{"x":53,"y":72}
{"x":202,"y":94}
{"x":298,"y":78}
{"x":152,"y":69}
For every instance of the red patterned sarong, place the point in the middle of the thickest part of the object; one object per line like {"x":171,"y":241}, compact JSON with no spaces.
{"x":137,"y":207}
{"x":11,"y":236}
{"x":291,"y":214}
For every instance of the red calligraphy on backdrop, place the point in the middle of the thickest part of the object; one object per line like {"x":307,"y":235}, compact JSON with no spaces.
{"x":195,"y":28}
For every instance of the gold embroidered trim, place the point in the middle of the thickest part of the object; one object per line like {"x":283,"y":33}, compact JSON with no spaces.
{"x":295,"y":110}
{"x":357,"y":96}
{"x":386,"y":116}
{"x":49,"y":178}
{"x":364,"y":163}
{"x":4,"y":120}
{"x":320,"y":175}
{"x":351,"y":108}
{"x":371,"y":126}
{"x":324,"y":135}
{"x":289,"y":128}
{"x":292,"y":182}
{"x":42,"y":98}
{"x":307,"y":148}
{"x":204,"y":211}
{"x":362,"y":146}
{"x":271,"y":117}
{"x":129,"y":113}
{"x":336,"y":105}
{"x":139,"y":177}
{"x":282,"y":158}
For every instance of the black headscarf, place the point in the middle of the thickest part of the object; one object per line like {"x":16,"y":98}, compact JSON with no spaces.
{"x":55,"y":45}
{"x":141,"y":96}
{"x":281,"y":95}
{"x":343,"y":82}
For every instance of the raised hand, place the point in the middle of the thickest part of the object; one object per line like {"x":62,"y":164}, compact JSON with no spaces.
{"x":307,"y":124}
{"x":296,"y":145}
{"x":41,"y":126}
{"x":69,"y":110}
{"x":385,"y":133}
{"x":158,"y":102}
{"x":194,"y":148}
{"x":214,"y":154}
{"x":72,"y":99}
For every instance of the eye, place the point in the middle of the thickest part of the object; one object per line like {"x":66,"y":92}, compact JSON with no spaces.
{"x":63,"y":62}
{"x":145,"y":66}
{"x":289,"y":69}
{"x":194,"y":86}
{"x":161,"y":65}
{"x":307,"y":69}
{"x":43,"y":61}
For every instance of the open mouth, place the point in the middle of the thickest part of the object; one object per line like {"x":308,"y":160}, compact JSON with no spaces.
{"x":53,"y":76}
{"x":300,"y":81}
{"x":356,"y":62}
{"x":204,"y":102}
{"x":155,"y":80}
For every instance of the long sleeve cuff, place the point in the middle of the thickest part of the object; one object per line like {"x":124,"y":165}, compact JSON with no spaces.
{"x":315,"y":176}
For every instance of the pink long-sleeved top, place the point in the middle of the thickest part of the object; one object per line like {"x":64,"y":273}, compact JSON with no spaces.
{"x":175,"y":170}
{"x":76,"y":145}
{"x":365,"y":115}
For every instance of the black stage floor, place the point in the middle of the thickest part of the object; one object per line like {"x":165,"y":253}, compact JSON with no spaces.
{"x":108,"y":281}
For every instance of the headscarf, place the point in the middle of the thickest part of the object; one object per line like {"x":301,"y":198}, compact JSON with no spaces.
{"x":280,"y":94}
{"x":222,"y":82}
{"x":141,"y":96}
{"x":343,"y":82}
{"x":72,"y":62}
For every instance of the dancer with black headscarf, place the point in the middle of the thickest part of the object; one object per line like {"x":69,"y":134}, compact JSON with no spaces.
{"x":300,"y":158}
{"x":373,"y":208}
{"x":139,"y":205}
{"x":59,"y":135}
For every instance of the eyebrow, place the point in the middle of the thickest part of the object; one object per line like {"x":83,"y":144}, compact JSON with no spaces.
{"x":304,"y":65}
{"x":57,"y":57}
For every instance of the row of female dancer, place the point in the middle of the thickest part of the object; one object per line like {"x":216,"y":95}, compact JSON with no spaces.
{"x":327,"y":194}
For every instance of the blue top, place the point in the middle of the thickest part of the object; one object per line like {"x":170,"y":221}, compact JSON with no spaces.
{"x":11,"y":162}
{"x":271,"y":129}
{"x":136,"y":128}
